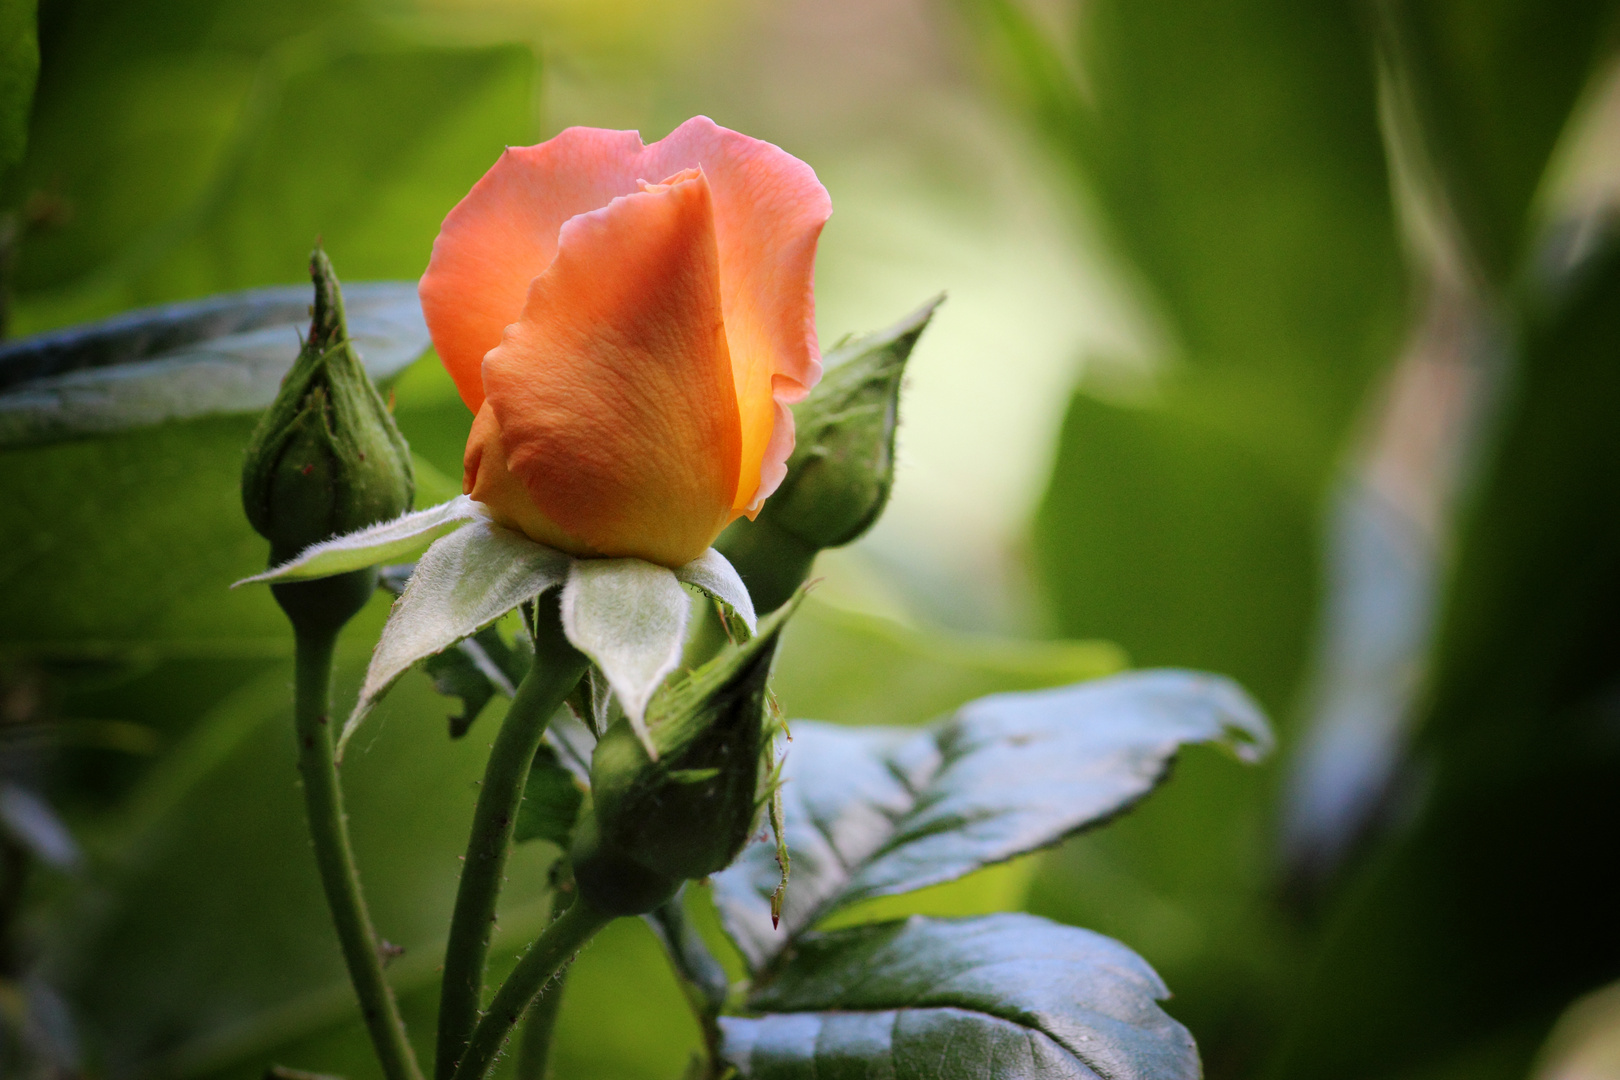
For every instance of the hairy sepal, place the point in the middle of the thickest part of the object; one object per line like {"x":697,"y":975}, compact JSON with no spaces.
{"x":398,"y":540}
{"x":463,"y":583}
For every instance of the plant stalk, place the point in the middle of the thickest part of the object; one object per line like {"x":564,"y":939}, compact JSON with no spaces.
{"x":548,"y":955}
{"x":534,"y":1050}
{"x":328,"y":832}
{"x":557,"y":667}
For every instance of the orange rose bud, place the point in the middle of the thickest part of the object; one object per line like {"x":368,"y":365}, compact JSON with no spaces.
{"x":629,"y":324}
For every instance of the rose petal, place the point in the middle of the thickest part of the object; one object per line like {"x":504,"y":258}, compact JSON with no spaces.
{"x":487,"y":480}
{"x":504,"y":233}
{"x":769,"y":209}
{"x":614,"y":391}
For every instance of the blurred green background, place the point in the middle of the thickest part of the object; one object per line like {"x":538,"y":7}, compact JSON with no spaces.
{"x":1283,"y":340}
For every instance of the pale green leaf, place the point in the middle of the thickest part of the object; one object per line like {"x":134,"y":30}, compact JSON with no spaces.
{"x":1004,"y":997}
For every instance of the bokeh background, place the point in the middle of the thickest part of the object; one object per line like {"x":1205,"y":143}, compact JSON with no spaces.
{"x":1282,"y":340}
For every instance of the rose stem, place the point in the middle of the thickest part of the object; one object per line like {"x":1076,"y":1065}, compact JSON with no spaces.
{"x":329,"y":833}
{"x":557,"y":667}
{"x":534,"y":1049}
{"x":553,"y":949}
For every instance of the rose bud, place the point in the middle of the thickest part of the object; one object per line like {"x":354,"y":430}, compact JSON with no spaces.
{"x":685,"y":815}
{"x":325,"y":459}
{"x":842,"y":468}
{"x":629,"y":324}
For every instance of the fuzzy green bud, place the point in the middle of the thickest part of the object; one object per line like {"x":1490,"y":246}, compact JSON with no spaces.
{"x":686,"y":815}
{"x":842,"y":467}
{"x":325,"y":459}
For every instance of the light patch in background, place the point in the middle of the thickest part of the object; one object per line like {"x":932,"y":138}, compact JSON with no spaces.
{"x":934,"y":190}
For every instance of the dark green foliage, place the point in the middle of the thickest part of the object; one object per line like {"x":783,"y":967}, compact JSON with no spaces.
{"x":87,"y":553}
{"x":551,"y":800}
{"x":877,"y":811}
{"x":19,"y":67}
{"x":1003,"y":997}
{"x":1493,"y":86}
{"x":1494,"y":906}
{"x":182,"y":149}
{"x":1233,"y":153}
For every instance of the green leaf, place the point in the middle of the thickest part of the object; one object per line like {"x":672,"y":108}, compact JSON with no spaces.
{"x":878,"y":811}
{"x":92,"y":525}
{"x":714,"y":574}
{"x":478,"y":668}
{"x":551,"y":801}
{"x":629,"y":617}
{"x":222,"y":356}
{"x":1230,"y":152}
{"x":19,"y":67}
{"x":1002,"y":997}
{"x":259,"y":151}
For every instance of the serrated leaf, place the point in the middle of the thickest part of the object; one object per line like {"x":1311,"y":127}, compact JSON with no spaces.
{"x":475,"y":670}
{"x":713,"y":573}
{"x":222,"y":356}
{"x":463,"y":583}
{"x":879,"y":811}
{"x":997,"y":998}
{"x":387,"y":541}
{"x":629,"y":617}
{"x":551,"y":801}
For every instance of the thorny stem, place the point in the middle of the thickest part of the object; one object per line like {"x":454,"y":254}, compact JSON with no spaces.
{"x":550,"y":952}
{"x":534,"y":1051}
{"x":557,"y":667}
{"x":328,"y":832}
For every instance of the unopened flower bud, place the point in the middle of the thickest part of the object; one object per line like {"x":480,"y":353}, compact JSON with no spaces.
{"x":841,"y":470}
{"x":325,"y":459}
{"x":687,"y":814}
